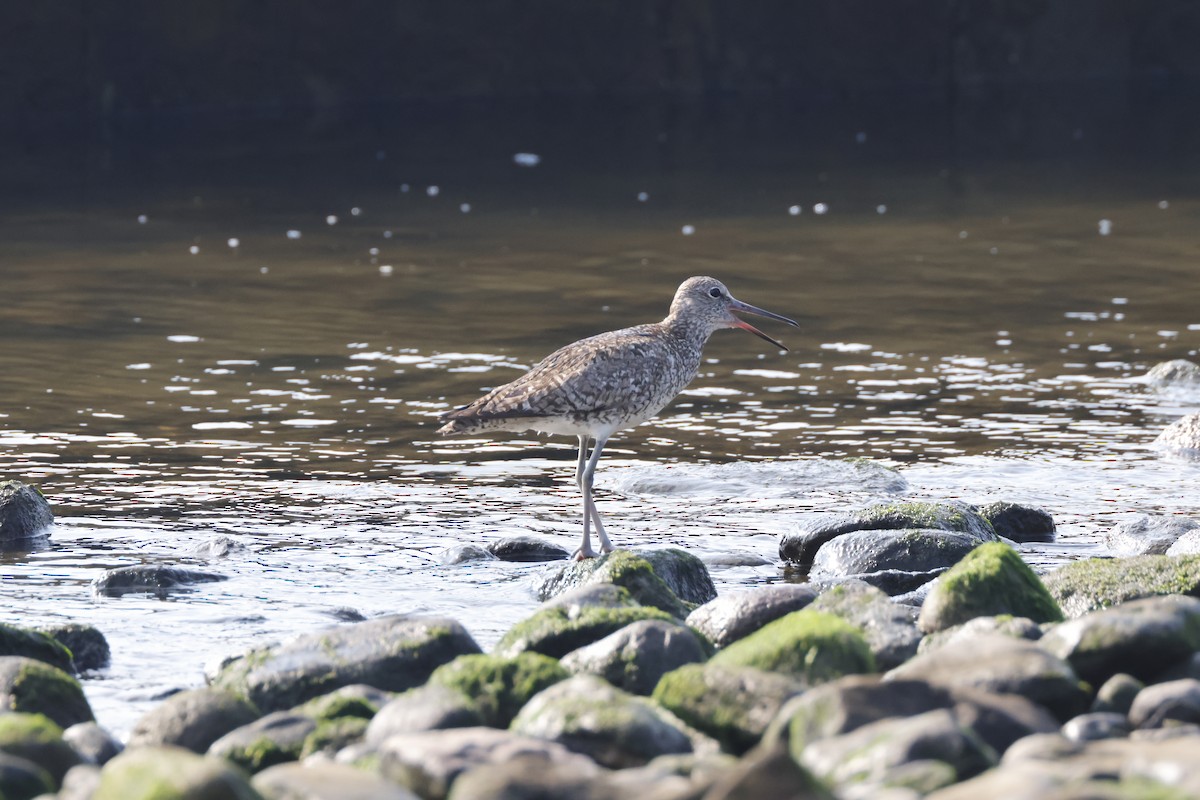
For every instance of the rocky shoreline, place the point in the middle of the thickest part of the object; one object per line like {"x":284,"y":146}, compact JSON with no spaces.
{"x":921,"y":658}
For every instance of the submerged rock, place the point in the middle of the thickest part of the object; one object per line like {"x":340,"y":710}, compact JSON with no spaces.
{"x":730,"y":617}
{"x":89,"y":649}
{"x":25,"y":517}
{"x":34,"y":687}
{"x":732,"y":704}
{"x":992,"y":579}
{"x":1139,"y":638}
{"x":499,"y":687}
{"x":889,"y":629}
{"x":156,"y":579}
{"x":527,"y":548}
{"x":556,"y":630}
{"x":1148,"y":534}
{"x":616,"y":729}
{"x":1094,"y":583}
{"x":1181,"y":438}
{"x":465,"y":554}
{"x":802,"y":544}
{"x":808,"y":645}
{"x":1019,"y":523}
{"x":192,"y":719}
{"x":637,"y":656}
{"x":392,"y":653}
{"x":16,"y":641}
{"x":671,"y":580}
{"x":154,"y":773}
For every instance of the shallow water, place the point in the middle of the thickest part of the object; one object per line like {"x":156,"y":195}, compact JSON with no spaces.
{"x":963,"y":321}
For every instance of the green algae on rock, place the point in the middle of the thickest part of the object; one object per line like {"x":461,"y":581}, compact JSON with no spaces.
{"x":644,"y":575}
{"x":555,"y":631}
{"x":810,"y":645}
{"x":499,"y":686}
{"x":992,"y":579}
{"x":35,"y":687}
{"x":17,"y":641}
{"x":1095,"y":583}
{"x":171,"y":773}
{"x":35,"y":737}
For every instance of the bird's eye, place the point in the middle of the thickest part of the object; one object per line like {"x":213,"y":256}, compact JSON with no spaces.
{"x":714,"y":292}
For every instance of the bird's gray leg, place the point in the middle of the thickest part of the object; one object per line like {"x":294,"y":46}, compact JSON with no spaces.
{"x":585,"y":548}
{"x":590,"y":504}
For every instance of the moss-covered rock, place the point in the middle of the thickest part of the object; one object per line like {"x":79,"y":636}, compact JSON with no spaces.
{"x":810,"y":645}
{"x":1095,"y":583}
{"x":21,"y":779}
{"x":35,"y":687}
{"x":171,"y":773}
{"x":427,"y":708}
{"x":499,"y":686}
{"x":393,"y":653}
{"x":360,"y":702}
{"x":1018,"y":522}
{"x":555,"y":631}
{"x":35,"y":737}
{"x":732,"y":616}
{"x":332,"y":735}
{"x":732,"y":704}
{"x":889,"y":628}
{"x":273,"y":739}
{"x":993,"y":579}
{"x":636,"y":574}
{"x":17,"y":641}
{"x":87,"y":644}
{"x":193,"y":719}
{"x":637,"y":656}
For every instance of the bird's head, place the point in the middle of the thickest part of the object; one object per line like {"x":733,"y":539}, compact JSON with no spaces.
{"x":706,"y":300}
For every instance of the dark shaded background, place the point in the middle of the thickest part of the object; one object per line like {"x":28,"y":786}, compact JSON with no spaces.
{"x":90,"y":70}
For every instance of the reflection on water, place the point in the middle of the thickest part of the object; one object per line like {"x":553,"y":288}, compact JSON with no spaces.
{"x":259,"y":351}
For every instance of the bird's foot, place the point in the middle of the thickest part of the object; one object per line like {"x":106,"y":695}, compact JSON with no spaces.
{"x":584,"y":553}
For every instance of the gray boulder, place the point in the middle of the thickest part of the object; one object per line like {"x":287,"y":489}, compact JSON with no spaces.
{"x":671,"y":580}
{"x":36,"y":738}
{"x":1181,"y":438}
{"x":1141,"y":638}
{"x":1018,"y":522}
{"x":890,"y":630}
{"x":730,"y":617}
{"x":1090,"y":584}
{"x":323,"y":780}
{"x":21,"y":778}
{"x":1148,"y":534}
{"x":426,"y":708}
{"x":1116,"y":695}
{"x":1178,"y":373}
{"x":93,"y":744}
{"x":900,"y":560}
{"x":1186,"y":545}
{"x":429,"y":763}
{"x":1002,"y":665}
{"x":1096,"y":725}
{"x":156,"y":579}
{"x":171,"y":772}
{"x":527,"y":548}
{"x":392,"y":653}
{"x":274,"y":739}
{"x":557,"y":629}
{"x":34,"y":687}
{"x":614,"y":728}
{"x":1016,"y":627}
{"x":802,"y":544}
{"x":1170,"y":703}
{"x":25,"y":517}
{"x":636,"y":656}
{"x":89,"y":649}
{"x":192,"y":719}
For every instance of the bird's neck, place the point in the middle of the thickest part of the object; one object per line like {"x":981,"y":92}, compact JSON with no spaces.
{"x":689,"y":331}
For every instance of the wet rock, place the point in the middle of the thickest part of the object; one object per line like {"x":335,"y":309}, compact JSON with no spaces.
{"x":219,"y":546}
{"x":915,"y":556}
{"x":845,"y":705}
{"x":1002,"y":665}
{"x":889,"y":629}
{"x":274,"y":739}
{"x":89,"y":649}
{"x":21,"y":778}
{"x":425,"y":708}
{"x":1148,"y":534}
{"x":1173,"y":702}
{"x":344,"y":614}
{"x":322,"y":780}
{"x":732,"y":704}
{"x":527,"y":548}
{"x":498,"y":686}
{"x":1181,"y":438}
{"x":1094,"y":583}
{"x":356,"y":700}
{"x":429,"y":763}
{"x":735,"y":559}
{"x":1186,"y":545}
{"x":192,"y":719}
{"x":993,"y":579}
{"x":25,"y":517}
{"x":36,"y":738}
{"x":79,"y":783}
{"x":93,"y":744}
{"x":556,"y":630}
{"x":652,"y":578}
{"x":392,"y":653}
{"x":637,"y":656}
{"x":807,"y":645}
{"x":1018,"y":522}
{"x":29,"y":643}
{"x":465,"y":554}
{"x":332,"y":736}
{"x":614,"y":728}
{"x":871,"y":753}
{"x":1116,"y":694}
{"x":156,"y":579}
{"x":1172,"y":374}
{"x":592,"y":595}
{"x":1096,"y":725}
{"x":732,"y":616}
{"x":802,"y":544}
{"x":34,"y":687}
{"x":1016,"y":627}
{"x":1140,"y":638}
{"x":531,"y":778}
{"x":159,"y":773}
{"x":768,"y":772}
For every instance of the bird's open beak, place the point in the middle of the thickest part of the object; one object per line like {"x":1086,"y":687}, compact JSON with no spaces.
{"x":738,"y":305}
